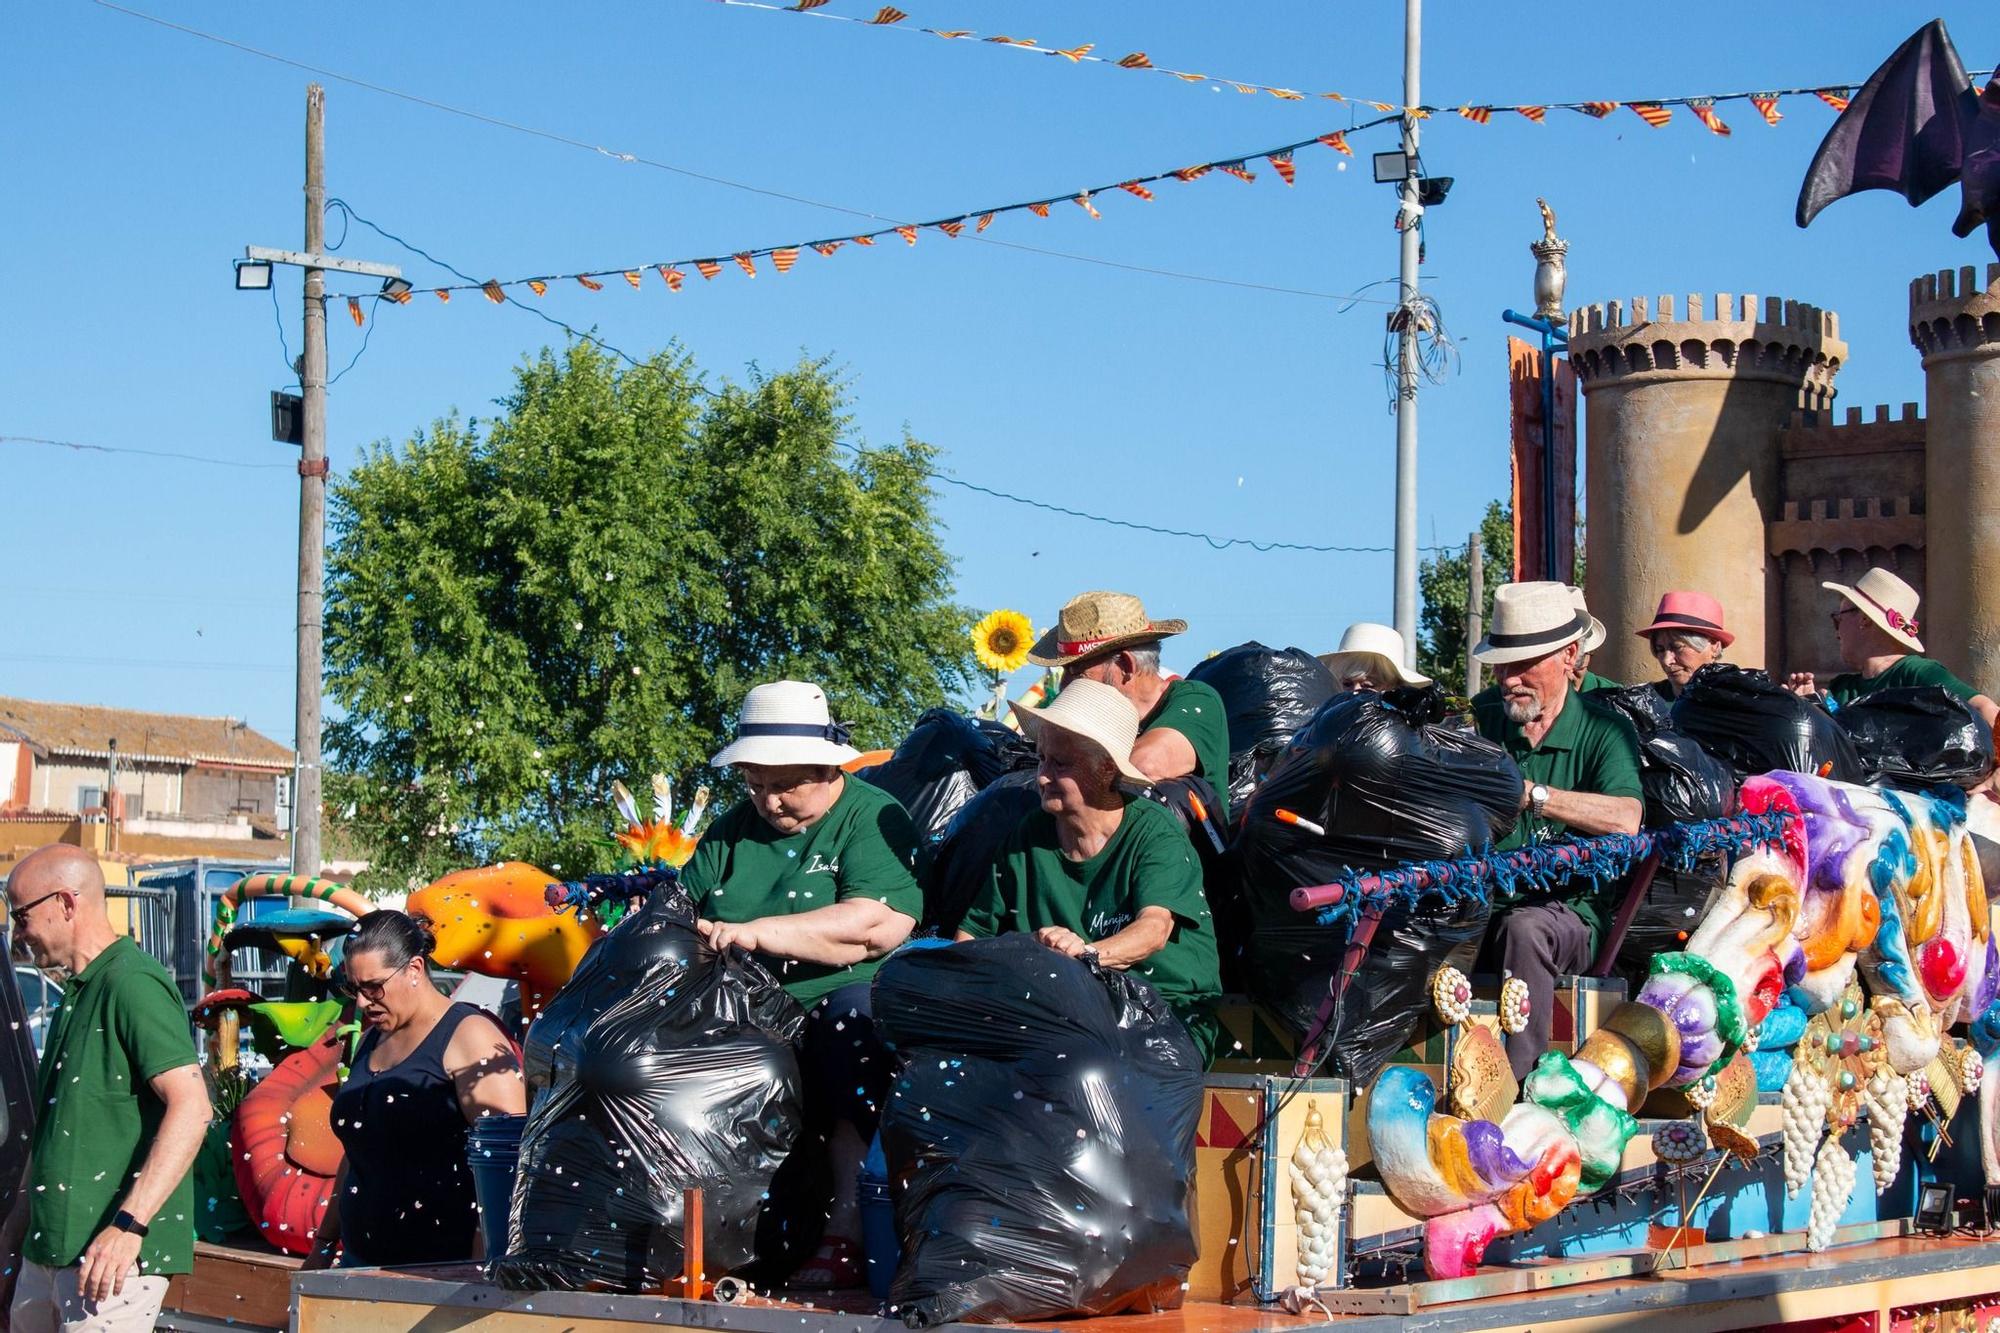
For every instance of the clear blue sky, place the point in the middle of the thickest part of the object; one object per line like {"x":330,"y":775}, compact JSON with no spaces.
{"x":140,"y":161}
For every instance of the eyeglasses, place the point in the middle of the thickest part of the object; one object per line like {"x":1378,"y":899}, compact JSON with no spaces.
{"x":348,"y":984}
{"x":19,"y":915}
{"x":1843,"y":611}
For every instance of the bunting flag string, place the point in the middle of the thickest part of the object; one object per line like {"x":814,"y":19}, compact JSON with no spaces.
{"x":783,"y":256}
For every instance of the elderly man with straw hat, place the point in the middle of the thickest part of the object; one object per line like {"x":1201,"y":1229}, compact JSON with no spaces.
{"x":1099,"y":873}
{"x":813,"y":874}
{"x":1183,"y":728}
{"x":1877,"y":628}
{"x":1579,"y":765}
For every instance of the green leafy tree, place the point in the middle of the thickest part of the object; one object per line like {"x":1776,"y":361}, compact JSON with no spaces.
{"x":584,"y":588}
{"x":1443,"y":580}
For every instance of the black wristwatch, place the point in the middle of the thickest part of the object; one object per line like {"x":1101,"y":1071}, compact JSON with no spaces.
{"x":124,"y":1221}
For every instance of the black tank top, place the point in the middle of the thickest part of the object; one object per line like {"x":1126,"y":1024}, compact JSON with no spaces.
{"x":409,"y":1196}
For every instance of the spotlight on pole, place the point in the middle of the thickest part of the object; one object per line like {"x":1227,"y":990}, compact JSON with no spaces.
{"x":252,"y":275}
{"x":395,"y":288}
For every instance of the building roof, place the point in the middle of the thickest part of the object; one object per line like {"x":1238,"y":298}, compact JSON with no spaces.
{"x":86,"y":730}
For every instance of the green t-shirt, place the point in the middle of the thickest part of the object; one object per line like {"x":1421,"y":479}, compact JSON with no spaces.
{"x":1147,"y":863}
{"x":1907,"y":671}
{"x":1593,"y":681}
{"x":863,"y":847}
{"x":121,"y":1025}
{"x":1590,"y":748}
{"x":1195,"y":710}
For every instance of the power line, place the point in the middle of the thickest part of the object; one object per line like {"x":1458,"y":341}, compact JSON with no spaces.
{"x":143,"y":453}
{"x":63,"y":660}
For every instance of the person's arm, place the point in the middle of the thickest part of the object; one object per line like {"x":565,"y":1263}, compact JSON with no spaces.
{"x":839,"y":935}
{"x":484,"y":1071}
{"x":326,"y":1241}
{"x":1146,"y":936}
{"x":1986,"y":708}
{"x":1163,"y":753}
{"x":184,"y":1124}
{"x":1589,"y":813}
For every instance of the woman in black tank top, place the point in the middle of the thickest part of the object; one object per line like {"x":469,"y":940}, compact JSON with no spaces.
{"x":426,"y":1069}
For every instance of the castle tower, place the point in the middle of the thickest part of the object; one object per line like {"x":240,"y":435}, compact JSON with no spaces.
{"x":1682,"y":417}
{"x":1955,"y":323}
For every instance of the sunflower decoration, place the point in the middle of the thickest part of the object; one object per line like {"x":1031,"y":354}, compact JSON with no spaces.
{"x":656,"y":841}
{"x":1001,"y":642}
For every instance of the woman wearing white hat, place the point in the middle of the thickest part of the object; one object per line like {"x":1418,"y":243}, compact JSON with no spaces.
{"x":1098,"y":873}
{"x":1877,"y":629}
{"x":813,"y":874}
{"x":1370,"y":657}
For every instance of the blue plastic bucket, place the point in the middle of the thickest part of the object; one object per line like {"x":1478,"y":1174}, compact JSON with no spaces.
{"x":879,"y":1241}
{"x":492,"y":1148}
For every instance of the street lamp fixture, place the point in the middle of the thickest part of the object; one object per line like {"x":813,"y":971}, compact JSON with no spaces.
{"x":252,"y":275}
{"x":1391,"y":168}
{"x":395,"y":288}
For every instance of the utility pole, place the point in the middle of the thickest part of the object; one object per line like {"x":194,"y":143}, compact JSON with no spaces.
{"x":1475,"y":609}
{"x":312,"y":504}
{"x":1406,"y":356}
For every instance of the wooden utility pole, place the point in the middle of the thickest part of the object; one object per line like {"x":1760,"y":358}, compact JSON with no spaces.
{"x":1475,"y":609}
{"x":312,"y":504}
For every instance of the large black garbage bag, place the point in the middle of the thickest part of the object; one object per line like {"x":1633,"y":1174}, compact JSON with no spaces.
{"x":1268,"y":693}
{"x":944,"y":762}
{"x":1682,"y":781}
{"x":1923,"y":735}
{"x":661,"y":1065}
{"x":1667,"y":915}
{"x":1390,"y":783}
{"x":1756,"y":725}
{"x":964,"y":853}
{"x":1193,"y":804}
{"x":1040,"y":1135}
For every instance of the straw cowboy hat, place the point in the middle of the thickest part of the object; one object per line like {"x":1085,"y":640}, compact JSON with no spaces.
{"x":1594,"y":638}
{"x":787,"y":722}
{"x":1690,"y":613}
{"x":1530,"y":619}
{"x":1096,"y":623}
{"x":1886,"y":600}
{"x":1373,"y":648}
{"x":1095,"y":712}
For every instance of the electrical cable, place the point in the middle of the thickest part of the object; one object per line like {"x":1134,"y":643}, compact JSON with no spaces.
{"x":144,"y":453}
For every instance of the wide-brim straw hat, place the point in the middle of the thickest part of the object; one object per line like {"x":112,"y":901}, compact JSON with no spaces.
{"x":1594,"y":637}
{"x":1096,"y":623}
{"x":787,"y":722}
{"x":1888,"y":601}
{"x":1376,"y":649}
{"x":1689,"y":613}
{"x":1530,"y":619}
{"x":1094,"y":711}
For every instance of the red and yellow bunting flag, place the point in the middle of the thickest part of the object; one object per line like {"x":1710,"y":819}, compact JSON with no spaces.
{"x":354,"y":311}
{"x":1705,"y":113}
{"x":888,"y":14}
{"x":1767,"y":107}
{"x":803,"y":5}
{"x":747,"y":264}
{"x":1084,"y":201}
{"x":782,"y":260}
{"x":1833,"y":97}
{"x":985,"y":221}
{"x":443,"y":295}
{"x":1236,"y":169}
{"x":1039,"y":210}
{"x":1076,"y":54}
{"x":538,"y":287}
{"x":952,"y":228}
{"x":633,"y":279}
{"x":1538,"y":114}
{"x":1337,"y":142}
{"x":1130,"y":187}
{"x":827,"y":247}
{"x":1282,"y":164}
{"x":708,"y":268}
{"x":493,"y":292}
{"x":909,"y":235}
{"x":1137,"y":60}
{"x":1478,"y":115}
{"x":864,"y":240}
{"x":400,"y":298}
{"x":1652,"y":113}
{"x":593,"y":285}
{"x":672,"y":276}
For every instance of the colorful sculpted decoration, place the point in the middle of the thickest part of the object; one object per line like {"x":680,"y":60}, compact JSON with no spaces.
{"x":278,"y":886}
{"x":495,"y":921}
{"x":1871,"y":913}
{"x":283,"y":1146}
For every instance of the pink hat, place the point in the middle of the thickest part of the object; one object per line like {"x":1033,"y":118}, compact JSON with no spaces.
{"x":1690,"y":613}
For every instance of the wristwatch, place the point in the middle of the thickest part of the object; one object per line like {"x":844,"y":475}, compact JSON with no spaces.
{"x":124,"y":1221}
{"x":1538,"y":797}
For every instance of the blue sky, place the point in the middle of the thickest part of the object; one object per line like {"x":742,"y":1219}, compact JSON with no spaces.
{"x":140,"y":161}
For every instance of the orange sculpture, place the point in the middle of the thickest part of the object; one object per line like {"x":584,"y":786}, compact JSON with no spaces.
{"x":496,"y":921}
{"x":283,"y":1147}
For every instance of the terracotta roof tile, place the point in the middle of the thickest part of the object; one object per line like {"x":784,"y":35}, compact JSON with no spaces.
{"x":173,"y":738}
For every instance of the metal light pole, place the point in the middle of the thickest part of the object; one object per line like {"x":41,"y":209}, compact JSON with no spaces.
{"x":1406,"y":356}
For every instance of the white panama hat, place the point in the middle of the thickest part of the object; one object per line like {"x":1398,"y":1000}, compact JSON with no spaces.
{"x":1378,"y":649}
{"x":1094,"y":711}
{"x":1530,"y":619}
{"x":1594,"y":638}
{"x":786,"y":722}
{"x":1886,"y":600}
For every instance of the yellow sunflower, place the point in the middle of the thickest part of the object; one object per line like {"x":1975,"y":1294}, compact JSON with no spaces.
{"x":1001,"y":641}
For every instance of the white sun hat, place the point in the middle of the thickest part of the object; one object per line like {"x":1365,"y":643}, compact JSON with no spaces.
{"x":1094,"y":711}
{"x":1530,"y":619}
{"x":1594,"y":638}
{"x":1377,"y":649}
{"x":1886,"y":600}
{"x":787,"y":722}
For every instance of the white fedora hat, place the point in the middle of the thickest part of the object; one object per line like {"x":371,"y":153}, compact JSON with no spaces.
{"x":787,"y":722}
{"x":1094,"y":711}
{"x":1376,"y":649}
{"x":1886,"y":600}
{"x":1530,"y":619}
{"x":1593,"y":638}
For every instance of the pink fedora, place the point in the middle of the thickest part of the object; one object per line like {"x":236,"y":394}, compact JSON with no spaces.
{"x":1690,"y":613}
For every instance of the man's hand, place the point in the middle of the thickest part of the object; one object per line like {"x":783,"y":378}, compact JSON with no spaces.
{"x":722,"y":934}
{"x":1802,"y":684}
{"x":1065,"y":942}
{"x":101,"y":1273}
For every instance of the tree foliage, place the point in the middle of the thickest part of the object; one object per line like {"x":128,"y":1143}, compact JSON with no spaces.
{"x":584,"y":588}
{"x":1443,"y":580}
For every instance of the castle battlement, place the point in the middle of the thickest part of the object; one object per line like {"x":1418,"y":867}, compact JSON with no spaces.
{"x":1951,"y":285}
{"x":1772,"y":312}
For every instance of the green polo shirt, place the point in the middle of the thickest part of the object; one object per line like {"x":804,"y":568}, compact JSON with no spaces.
{"x":1148,"y":862}
{"x":1590,"y":748}
{"x":1593,"y":681}
{"x":863,"y":847}
{"x":121,"y":1025}
{"x":1908,"y":671}
{"x":1195,"y":710}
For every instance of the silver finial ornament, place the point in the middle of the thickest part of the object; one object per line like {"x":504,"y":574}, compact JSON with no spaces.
{"x":1551,"y":275}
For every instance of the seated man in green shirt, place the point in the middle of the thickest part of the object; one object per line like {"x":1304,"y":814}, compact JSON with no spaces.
{"x":1877,"y":630}
{"x":813,"y":875}
{"x":1183,"y":728}
{"x":1579,"y":765}
{"x":1582,"y":679}
{"x":1097,"y":873}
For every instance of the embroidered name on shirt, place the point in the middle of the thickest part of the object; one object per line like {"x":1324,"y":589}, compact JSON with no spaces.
{"x":819,"y":865}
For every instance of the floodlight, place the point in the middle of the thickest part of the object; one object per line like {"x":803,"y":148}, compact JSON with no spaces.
{"x":1431,"y":190}
{"x":1391,"y":167}
{"x":252,"y":275}
{"x":395,"y":288}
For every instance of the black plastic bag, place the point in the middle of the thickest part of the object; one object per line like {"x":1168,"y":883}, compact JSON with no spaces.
{"x":1268,"y":693}
{"x":661,"y":1065}
{"x":1040,"y":1135}
{"x":963,"y":855}
{"x":1390,"y":784}
{"x":1643,"y":705}
{"x":944,"y":762}
{"x":1755,"y":725}
{"x":1667,"y":915}
{"x":1922,"y":735}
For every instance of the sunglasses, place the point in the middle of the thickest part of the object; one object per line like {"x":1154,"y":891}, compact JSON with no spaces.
{"x":19,"y":915}
{"x":345,"y":983}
